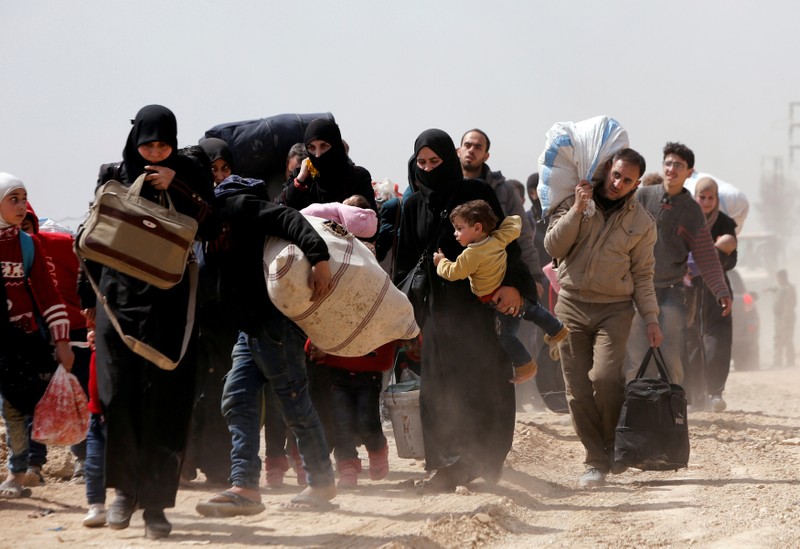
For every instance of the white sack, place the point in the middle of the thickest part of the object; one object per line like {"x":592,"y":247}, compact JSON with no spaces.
{"x":573,"y":151}
{"x":732,"y":201}
{"x":363,"y":311}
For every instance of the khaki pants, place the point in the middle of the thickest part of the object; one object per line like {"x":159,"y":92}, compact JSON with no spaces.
{"x":592,"y":357}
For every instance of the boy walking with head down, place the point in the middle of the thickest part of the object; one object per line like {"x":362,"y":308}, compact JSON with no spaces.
{"x":483,"y":262}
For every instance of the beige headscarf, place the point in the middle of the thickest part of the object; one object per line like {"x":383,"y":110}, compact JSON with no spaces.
{"x":708,"y":184}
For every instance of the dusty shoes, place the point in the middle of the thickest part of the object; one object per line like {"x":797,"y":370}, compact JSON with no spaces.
{"x":96,"y":516}
{"x":156,"y":525}
{"x":592,"y":478}
{"x":717,"y":404}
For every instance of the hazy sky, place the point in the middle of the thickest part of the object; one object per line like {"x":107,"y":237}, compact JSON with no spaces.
{"x":717,"y":75}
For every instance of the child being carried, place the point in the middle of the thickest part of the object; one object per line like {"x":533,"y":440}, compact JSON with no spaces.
{"x":483,"y":262}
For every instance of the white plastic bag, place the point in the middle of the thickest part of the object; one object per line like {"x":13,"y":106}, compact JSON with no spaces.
{"x":573,"y":151}
{"x":61,"y":417}
{"x":362,"y":312}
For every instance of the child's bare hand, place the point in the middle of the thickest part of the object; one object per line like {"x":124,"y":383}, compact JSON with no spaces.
{"x":64,"y":355}
{"x":437,"y":257}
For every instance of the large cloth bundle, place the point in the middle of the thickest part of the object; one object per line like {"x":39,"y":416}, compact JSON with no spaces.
{"x":573,"y":151}
{"x":732,"y":201}
{"x":362,"y":312}
{"x":259,"y":147}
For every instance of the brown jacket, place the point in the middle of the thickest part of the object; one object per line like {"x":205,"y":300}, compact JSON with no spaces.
{"x":603,"y":261}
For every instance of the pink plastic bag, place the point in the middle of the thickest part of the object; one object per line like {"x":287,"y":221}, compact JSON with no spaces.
{"x":61,"y":417}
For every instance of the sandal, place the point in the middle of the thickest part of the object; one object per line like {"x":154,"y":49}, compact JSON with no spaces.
{"x":11,"y":489}
{"x":314,"y":499}
{"x":34,"y":476}
{"x":229,"y":504}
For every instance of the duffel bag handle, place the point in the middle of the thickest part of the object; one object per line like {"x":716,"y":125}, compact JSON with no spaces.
{"x":661,"y":364}
{"x":135,"y":190}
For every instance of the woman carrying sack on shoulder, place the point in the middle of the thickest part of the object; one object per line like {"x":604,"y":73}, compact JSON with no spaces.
{"x":31,"y":297}
{"x":148,"y":409}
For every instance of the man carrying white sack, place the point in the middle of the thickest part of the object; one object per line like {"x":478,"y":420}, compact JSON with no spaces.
{"x":270,"y":347}
{"x":605,"y":264}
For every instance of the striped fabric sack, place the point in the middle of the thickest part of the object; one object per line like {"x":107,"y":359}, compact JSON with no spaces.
{"x":362,"y":312}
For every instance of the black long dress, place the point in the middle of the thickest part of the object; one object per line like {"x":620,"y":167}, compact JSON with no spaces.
{"x":147,"y":409}
{"x":467,"y":403}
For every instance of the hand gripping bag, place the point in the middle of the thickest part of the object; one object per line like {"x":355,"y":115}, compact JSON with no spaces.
{"x":362,"y":312}
{"x":62,"y":415}
{"x":574,"y":151}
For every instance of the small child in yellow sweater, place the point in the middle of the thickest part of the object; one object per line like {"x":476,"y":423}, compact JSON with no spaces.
{"x":484,"y":261}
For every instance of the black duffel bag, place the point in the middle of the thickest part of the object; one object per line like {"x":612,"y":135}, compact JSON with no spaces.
{"x":653,"y":433}
{"x":259,"y":147}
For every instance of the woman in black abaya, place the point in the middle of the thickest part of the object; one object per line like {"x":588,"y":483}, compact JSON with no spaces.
{"x":147,"y":409}
{"x":334,"y":178}
{"x":467,"y":403}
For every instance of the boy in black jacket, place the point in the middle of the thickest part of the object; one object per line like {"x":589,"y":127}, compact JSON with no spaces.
{"x":270,"y":347}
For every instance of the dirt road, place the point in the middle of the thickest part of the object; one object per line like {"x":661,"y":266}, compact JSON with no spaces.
{"x":742,"y":489}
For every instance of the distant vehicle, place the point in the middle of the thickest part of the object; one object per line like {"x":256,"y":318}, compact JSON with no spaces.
{"x":746,"y":325}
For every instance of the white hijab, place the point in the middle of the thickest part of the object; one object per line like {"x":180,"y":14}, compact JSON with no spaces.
{"x":8,"y":183}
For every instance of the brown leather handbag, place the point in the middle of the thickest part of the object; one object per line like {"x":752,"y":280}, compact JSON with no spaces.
{"x":136,"y":236}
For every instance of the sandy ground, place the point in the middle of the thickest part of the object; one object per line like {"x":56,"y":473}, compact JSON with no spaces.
{"x":741,"y":489}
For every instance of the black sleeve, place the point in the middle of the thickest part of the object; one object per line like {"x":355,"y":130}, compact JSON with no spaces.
{"x":261,"y":217}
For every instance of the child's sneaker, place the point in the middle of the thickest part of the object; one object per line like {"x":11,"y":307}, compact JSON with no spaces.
{"x":276,"y":468}
{"x":379,"y":463}
{"x":553,"y":341}
{"x":96,"y":516}
{"x":348,"y":472}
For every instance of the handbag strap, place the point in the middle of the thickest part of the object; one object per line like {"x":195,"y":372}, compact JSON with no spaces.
{"x":654,"y":353}
{"x":190,"y":311}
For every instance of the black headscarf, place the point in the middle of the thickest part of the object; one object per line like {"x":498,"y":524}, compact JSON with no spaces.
{"x":152,"y":123}
{"x":440,"y":183}
{"x":334,"y":162}
{"x":217,"y":148}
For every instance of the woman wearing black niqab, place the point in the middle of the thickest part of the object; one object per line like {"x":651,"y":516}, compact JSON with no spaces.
{"x":147,"y":409}
{"x":333,"y":178}
{"x":467,"y":403}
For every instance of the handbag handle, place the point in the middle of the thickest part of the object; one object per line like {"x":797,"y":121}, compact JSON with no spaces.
{"x":655,"y":353}
{"x":135,"y":191}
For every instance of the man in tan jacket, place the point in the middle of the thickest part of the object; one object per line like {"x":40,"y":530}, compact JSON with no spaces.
{"x":605,"y":265}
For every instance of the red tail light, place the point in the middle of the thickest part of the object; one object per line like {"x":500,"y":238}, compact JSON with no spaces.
{"x":748,"y":302}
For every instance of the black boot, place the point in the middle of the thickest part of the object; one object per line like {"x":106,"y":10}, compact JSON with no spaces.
{"x":156,"y":525}
{"x":120,"y":511}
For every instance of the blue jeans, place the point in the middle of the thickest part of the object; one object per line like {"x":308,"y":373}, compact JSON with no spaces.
{"x":672,"y":320}
{"x":355,"y":406}
{"x":273,"y":352}
{"x":94,"y":466}
{"x":507,"y":326}
{"x":17,"y":436}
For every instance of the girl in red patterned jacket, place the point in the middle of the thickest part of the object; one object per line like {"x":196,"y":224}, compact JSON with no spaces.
{"x":27,"y":293}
